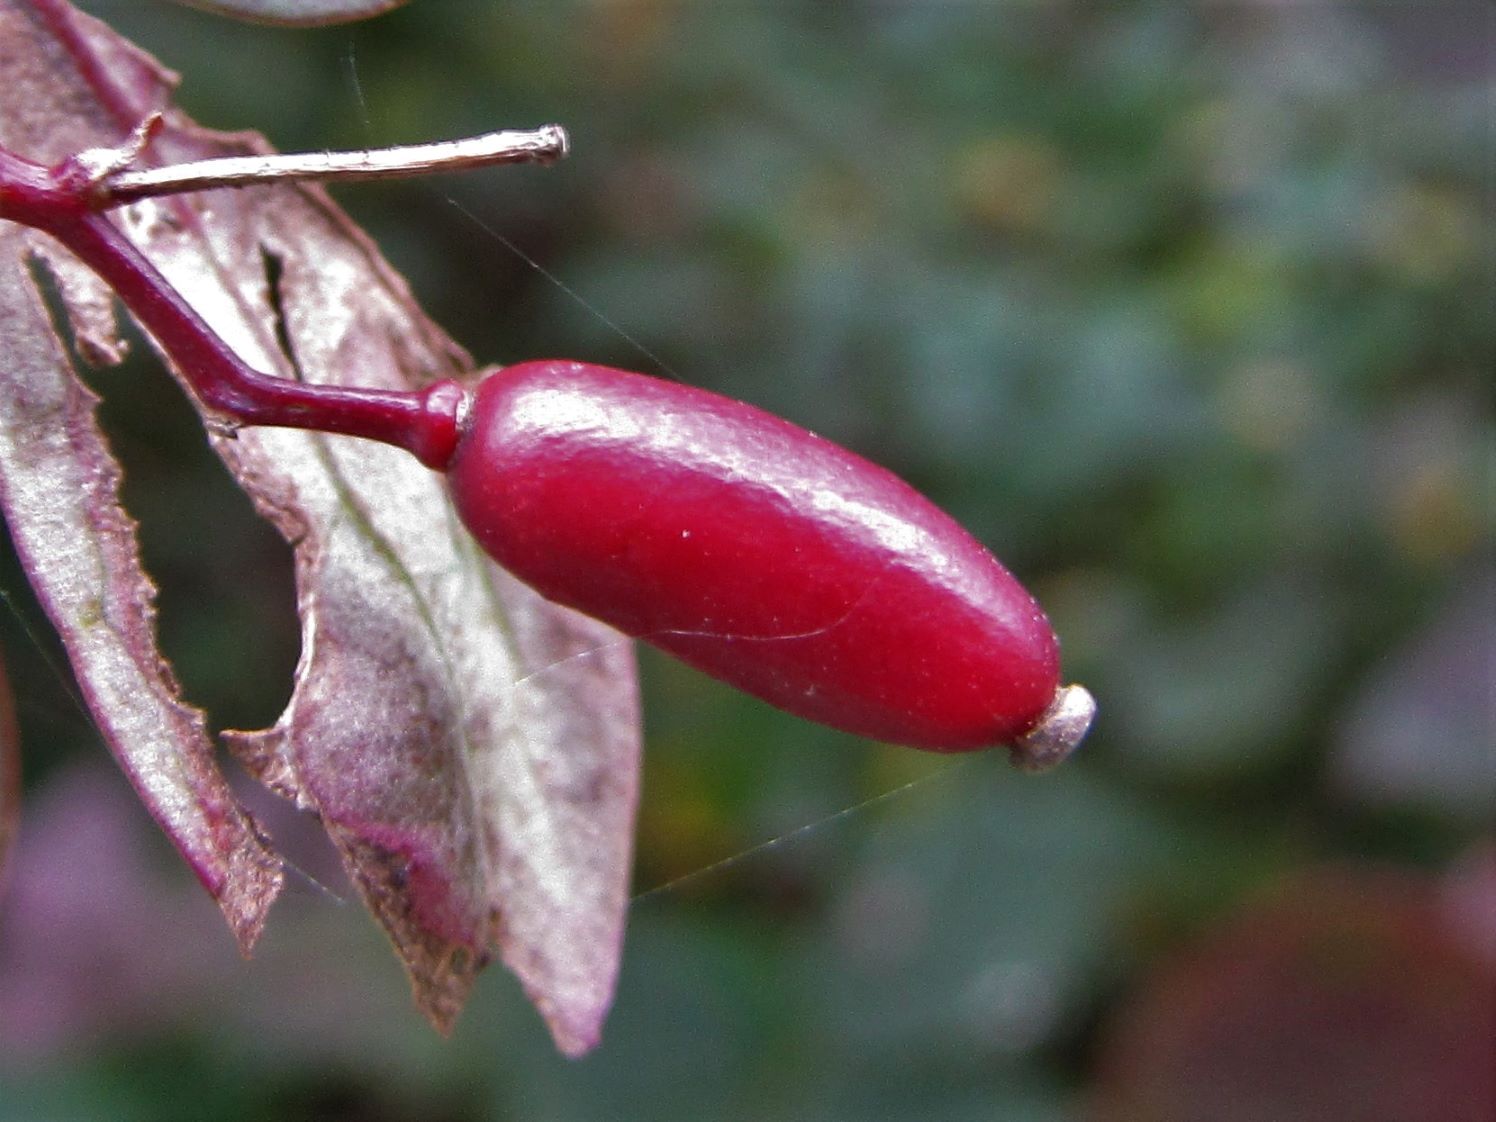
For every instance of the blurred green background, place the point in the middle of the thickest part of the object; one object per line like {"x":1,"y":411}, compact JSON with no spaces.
{"x":1187,"y":312}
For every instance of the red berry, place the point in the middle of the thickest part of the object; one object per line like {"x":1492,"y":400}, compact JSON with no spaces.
{"x":759,"y":553}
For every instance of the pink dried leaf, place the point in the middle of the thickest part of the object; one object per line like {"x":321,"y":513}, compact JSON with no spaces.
{"x":59,"y":489}
{"x":472,"y":749}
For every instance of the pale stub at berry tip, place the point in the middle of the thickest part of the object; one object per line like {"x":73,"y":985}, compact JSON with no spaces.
{"x":1058,"y":732}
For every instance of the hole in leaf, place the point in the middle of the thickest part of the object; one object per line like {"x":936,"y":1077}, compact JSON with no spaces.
{"x":274,"y":270}
{"x":226,"y":618}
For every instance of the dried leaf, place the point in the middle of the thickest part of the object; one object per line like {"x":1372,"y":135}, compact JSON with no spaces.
{"x":60,"y":492}
{"x":471,"y":748}
{"x":296,"y":13}
{"x":59,"y":488}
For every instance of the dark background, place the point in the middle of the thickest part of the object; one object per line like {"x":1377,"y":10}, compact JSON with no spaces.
{"x":1187,"y":312}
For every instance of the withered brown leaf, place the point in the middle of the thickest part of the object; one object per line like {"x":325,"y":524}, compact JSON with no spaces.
{"x":471,"y":748}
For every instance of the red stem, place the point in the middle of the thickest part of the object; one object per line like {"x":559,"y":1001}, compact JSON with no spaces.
{"x":60,"y":202}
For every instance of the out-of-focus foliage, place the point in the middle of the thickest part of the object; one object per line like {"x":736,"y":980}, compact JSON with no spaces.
{"x":1186,"y":310}
{"x":1349,"y":993}
{"x":10,"y":772}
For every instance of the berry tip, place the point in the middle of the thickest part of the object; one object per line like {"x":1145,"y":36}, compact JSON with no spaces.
{"x":1058,"y":732}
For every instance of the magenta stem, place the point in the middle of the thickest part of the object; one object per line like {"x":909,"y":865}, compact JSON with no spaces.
{"x":60,"y":201}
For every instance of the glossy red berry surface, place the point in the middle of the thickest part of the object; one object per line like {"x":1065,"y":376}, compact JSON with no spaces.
{"x":758,"y":552}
